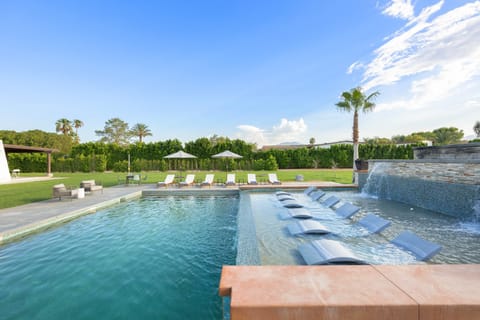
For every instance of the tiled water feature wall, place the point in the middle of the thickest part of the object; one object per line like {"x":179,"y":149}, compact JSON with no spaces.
{"x":442,"y":179}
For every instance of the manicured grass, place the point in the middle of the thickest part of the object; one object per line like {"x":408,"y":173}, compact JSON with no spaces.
{"x":12,"y":195}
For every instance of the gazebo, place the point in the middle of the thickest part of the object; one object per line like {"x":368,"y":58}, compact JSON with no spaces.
{"x":13,"y":148}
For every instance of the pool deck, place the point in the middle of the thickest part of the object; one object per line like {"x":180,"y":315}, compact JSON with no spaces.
{"x":291,"y":292}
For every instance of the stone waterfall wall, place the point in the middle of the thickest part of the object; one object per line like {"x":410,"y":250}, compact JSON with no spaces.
{"x":449,"y":182}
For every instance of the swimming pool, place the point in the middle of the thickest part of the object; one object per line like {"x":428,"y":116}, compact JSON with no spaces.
{"x":155,"y":258}
{"x":460,"y":239}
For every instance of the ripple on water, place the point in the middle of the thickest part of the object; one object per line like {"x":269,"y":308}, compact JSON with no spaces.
{"x":149,"y":259}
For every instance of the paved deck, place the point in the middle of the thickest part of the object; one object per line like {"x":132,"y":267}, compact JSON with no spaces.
{"x":19,"y":221}
{"x":411,"y":292}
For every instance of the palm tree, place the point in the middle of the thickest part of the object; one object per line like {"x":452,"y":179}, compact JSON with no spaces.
{"x":355,"y":100}
{"x":64,"y":126}
{"x":77,"y":124}
{"x":141,"y":131}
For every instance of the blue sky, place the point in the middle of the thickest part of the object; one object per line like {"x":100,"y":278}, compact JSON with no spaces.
{"x":264,"y":71}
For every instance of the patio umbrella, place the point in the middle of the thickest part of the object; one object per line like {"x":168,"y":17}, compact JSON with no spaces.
{"x":180,"y":155}
{"x":227,"y":155}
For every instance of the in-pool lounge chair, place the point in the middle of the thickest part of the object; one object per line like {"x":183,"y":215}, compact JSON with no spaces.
{"x":189,"y":179}
{"x":252,"y":178}
{"x":272,"y":178}
{"x":317,"y":194}
{"x":325,"y":251}
{"x":307,"y":227}
{"x":168,"y":181}
{"x":329,"y":251}
{"x":309,"y":190}
{"x":208,"y":180}
{"x":299,"y":213}
{"x":347,"y":210}
{"x":330,"y":201}
{"x":230,"y":179}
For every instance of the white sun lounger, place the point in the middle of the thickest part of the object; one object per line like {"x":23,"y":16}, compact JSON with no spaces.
{"x":315,"y":195}
{"x":347,"y":210}
{"x":281,"y":193}
{"x":307,"y":227}
{"x":230,"y":179}
{"x":326,"y":251}
{"x":252,"y":178}
{"x":309,"y":190}
{"x":168,"y":180}
{"x":373,"y":223}
{"x":422,"y":248}
{"x":292,"y":204}
{"x":285,"y":197}
{"x":208,"y":180}
{"x":330,"y":201}
{"x":189,"y":179}
{"x":301,"y":213}
{"x":272,"y":178}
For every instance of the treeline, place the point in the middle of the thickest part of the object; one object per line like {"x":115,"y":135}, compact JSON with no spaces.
{"x":99,"y":157}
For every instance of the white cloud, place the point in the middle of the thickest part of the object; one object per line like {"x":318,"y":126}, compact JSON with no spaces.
{"x":285,"y":131}
{"x":439,"y":58}
{"x":355,"y":66}
{"x":402,"y":9}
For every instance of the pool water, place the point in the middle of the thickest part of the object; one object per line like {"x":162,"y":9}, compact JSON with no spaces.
{"x":460,"y":239}
{"x":155,"y":258}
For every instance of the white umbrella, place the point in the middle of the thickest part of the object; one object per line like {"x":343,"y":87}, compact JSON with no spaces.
{"x":180,"y":155}
{"x":227,"y":155}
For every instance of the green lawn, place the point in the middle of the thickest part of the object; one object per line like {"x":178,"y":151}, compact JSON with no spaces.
{"x":12,"y":195}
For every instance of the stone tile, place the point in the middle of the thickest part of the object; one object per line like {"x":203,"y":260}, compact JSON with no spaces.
{"x":314,"y":292}
{"x":442,"y":291}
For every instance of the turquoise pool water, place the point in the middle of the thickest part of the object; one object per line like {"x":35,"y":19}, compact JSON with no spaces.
{"x":459,"y":238}
{"x":155,"y":258}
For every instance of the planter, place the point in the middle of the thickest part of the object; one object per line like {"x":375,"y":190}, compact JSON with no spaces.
{"x":361,"y":164}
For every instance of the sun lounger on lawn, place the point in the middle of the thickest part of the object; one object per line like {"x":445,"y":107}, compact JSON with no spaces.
{"x":347,"y":210}
{"x":91,"y":186}
{"x":330,"y":201}
{"x":208,"y":180}
{"x":307,"y":227}
{"x":272,"y":178}
{"x":189,"y":179}
{"x":60,"y":190}
{"x":374,"y":223}
{"x":252,"y":178}
{"x":422,"y":248}
{"x":230,"y":179}
{"x":326,"y":251}
{"x":168,"y":181}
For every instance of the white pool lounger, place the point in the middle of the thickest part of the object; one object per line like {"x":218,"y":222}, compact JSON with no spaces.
{"x":374,"y":223}
{"x":309,"y":190}
{"x":347,"y":210}
{"x":422,"y":248}
{"x":291,"y":204}
{"x":301,"y":213}
{"x":326,"y":251}
{"x":315,"y":195}
{"x":284,"y":197}
{"x":307,"y":227}
{"x":330,"y":201}
{"x":280,"y":193}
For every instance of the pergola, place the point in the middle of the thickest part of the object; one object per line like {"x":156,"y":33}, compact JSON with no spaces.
{"x":13,"y":148}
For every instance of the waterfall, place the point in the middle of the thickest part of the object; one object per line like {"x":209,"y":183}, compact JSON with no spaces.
{"x":377,"y":184}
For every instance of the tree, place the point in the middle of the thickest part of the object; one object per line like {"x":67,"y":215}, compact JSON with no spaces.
{"x":77,"y":124}
{"x":116,"y":132}
{"x":476,"y":129}
{"x":355,"y":100}
{"x":312,"y":141}
{"x":64,"y":126}
{"x":445,"y":135}
{"x":141,"y":131}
